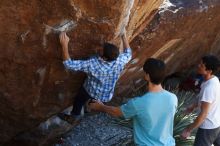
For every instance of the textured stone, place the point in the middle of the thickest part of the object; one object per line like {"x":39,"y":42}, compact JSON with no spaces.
{"x":33,"y":83}
{"x":180,"y":33}
{"x":97,"y":130}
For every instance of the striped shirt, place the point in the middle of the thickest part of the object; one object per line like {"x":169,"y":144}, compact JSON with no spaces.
{"x":101,"y":75}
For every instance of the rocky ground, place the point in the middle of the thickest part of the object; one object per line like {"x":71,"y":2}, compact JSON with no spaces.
{"x":96,"y":130}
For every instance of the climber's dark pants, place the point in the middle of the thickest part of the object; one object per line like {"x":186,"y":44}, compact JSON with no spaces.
{"x":79,"y":101}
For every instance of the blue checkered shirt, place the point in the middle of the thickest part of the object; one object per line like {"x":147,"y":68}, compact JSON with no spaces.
{"x":101,"y":75}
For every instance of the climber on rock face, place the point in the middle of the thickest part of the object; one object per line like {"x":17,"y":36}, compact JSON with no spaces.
{"x":102,"y":74}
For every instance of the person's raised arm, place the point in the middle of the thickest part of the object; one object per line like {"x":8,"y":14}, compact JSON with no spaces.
{"x":125,"y":41}
{"x":64,"y":41}
{"x":126,"y":54}
{"x":71,"y":64}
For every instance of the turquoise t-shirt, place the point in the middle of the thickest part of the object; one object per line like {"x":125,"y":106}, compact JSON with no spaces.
{"x":153,"y":117}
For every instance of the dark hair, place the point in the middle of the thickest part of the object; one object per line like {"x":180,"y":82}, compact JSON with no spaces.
{"x":110,"y":51}
{"x":211,"y":62}
{"x":156,"y":70}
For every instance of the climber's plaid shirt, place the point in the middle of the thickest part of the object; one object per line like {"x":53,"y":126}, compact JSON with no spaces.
{"x":101,"y":75}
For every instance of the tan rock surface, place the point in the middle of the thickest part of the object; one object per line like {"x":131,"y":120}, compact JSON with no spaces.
{"x":33,"y":83}
{"x":179,"y":35}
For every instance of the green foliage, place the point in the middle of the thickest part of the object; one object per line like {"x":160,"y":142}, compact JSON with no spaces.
{"x":181,"y":119}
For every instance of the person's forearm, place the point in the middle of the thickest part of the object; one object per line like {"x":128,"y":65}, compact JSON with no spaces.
{"x":64,"y":40}
{"x":198,"y":121}
{"x":65,"y":53}
{"x":192,"y":107}
{"x":125,"y":42}
{"x":113,"y":111}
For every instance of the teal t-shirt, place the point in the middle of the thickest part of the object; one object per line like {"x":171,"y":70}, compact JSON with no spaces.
{"x":153,"y":117}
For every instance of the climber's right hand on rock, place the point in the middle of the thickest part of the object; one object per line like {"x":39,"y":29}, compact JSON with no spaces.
{"x":64,"y":39}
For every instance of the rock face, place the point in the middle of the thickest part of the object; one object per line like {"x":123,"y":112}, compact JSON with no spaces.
{"x":180,"y":33}
{"x":33,"y":82}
